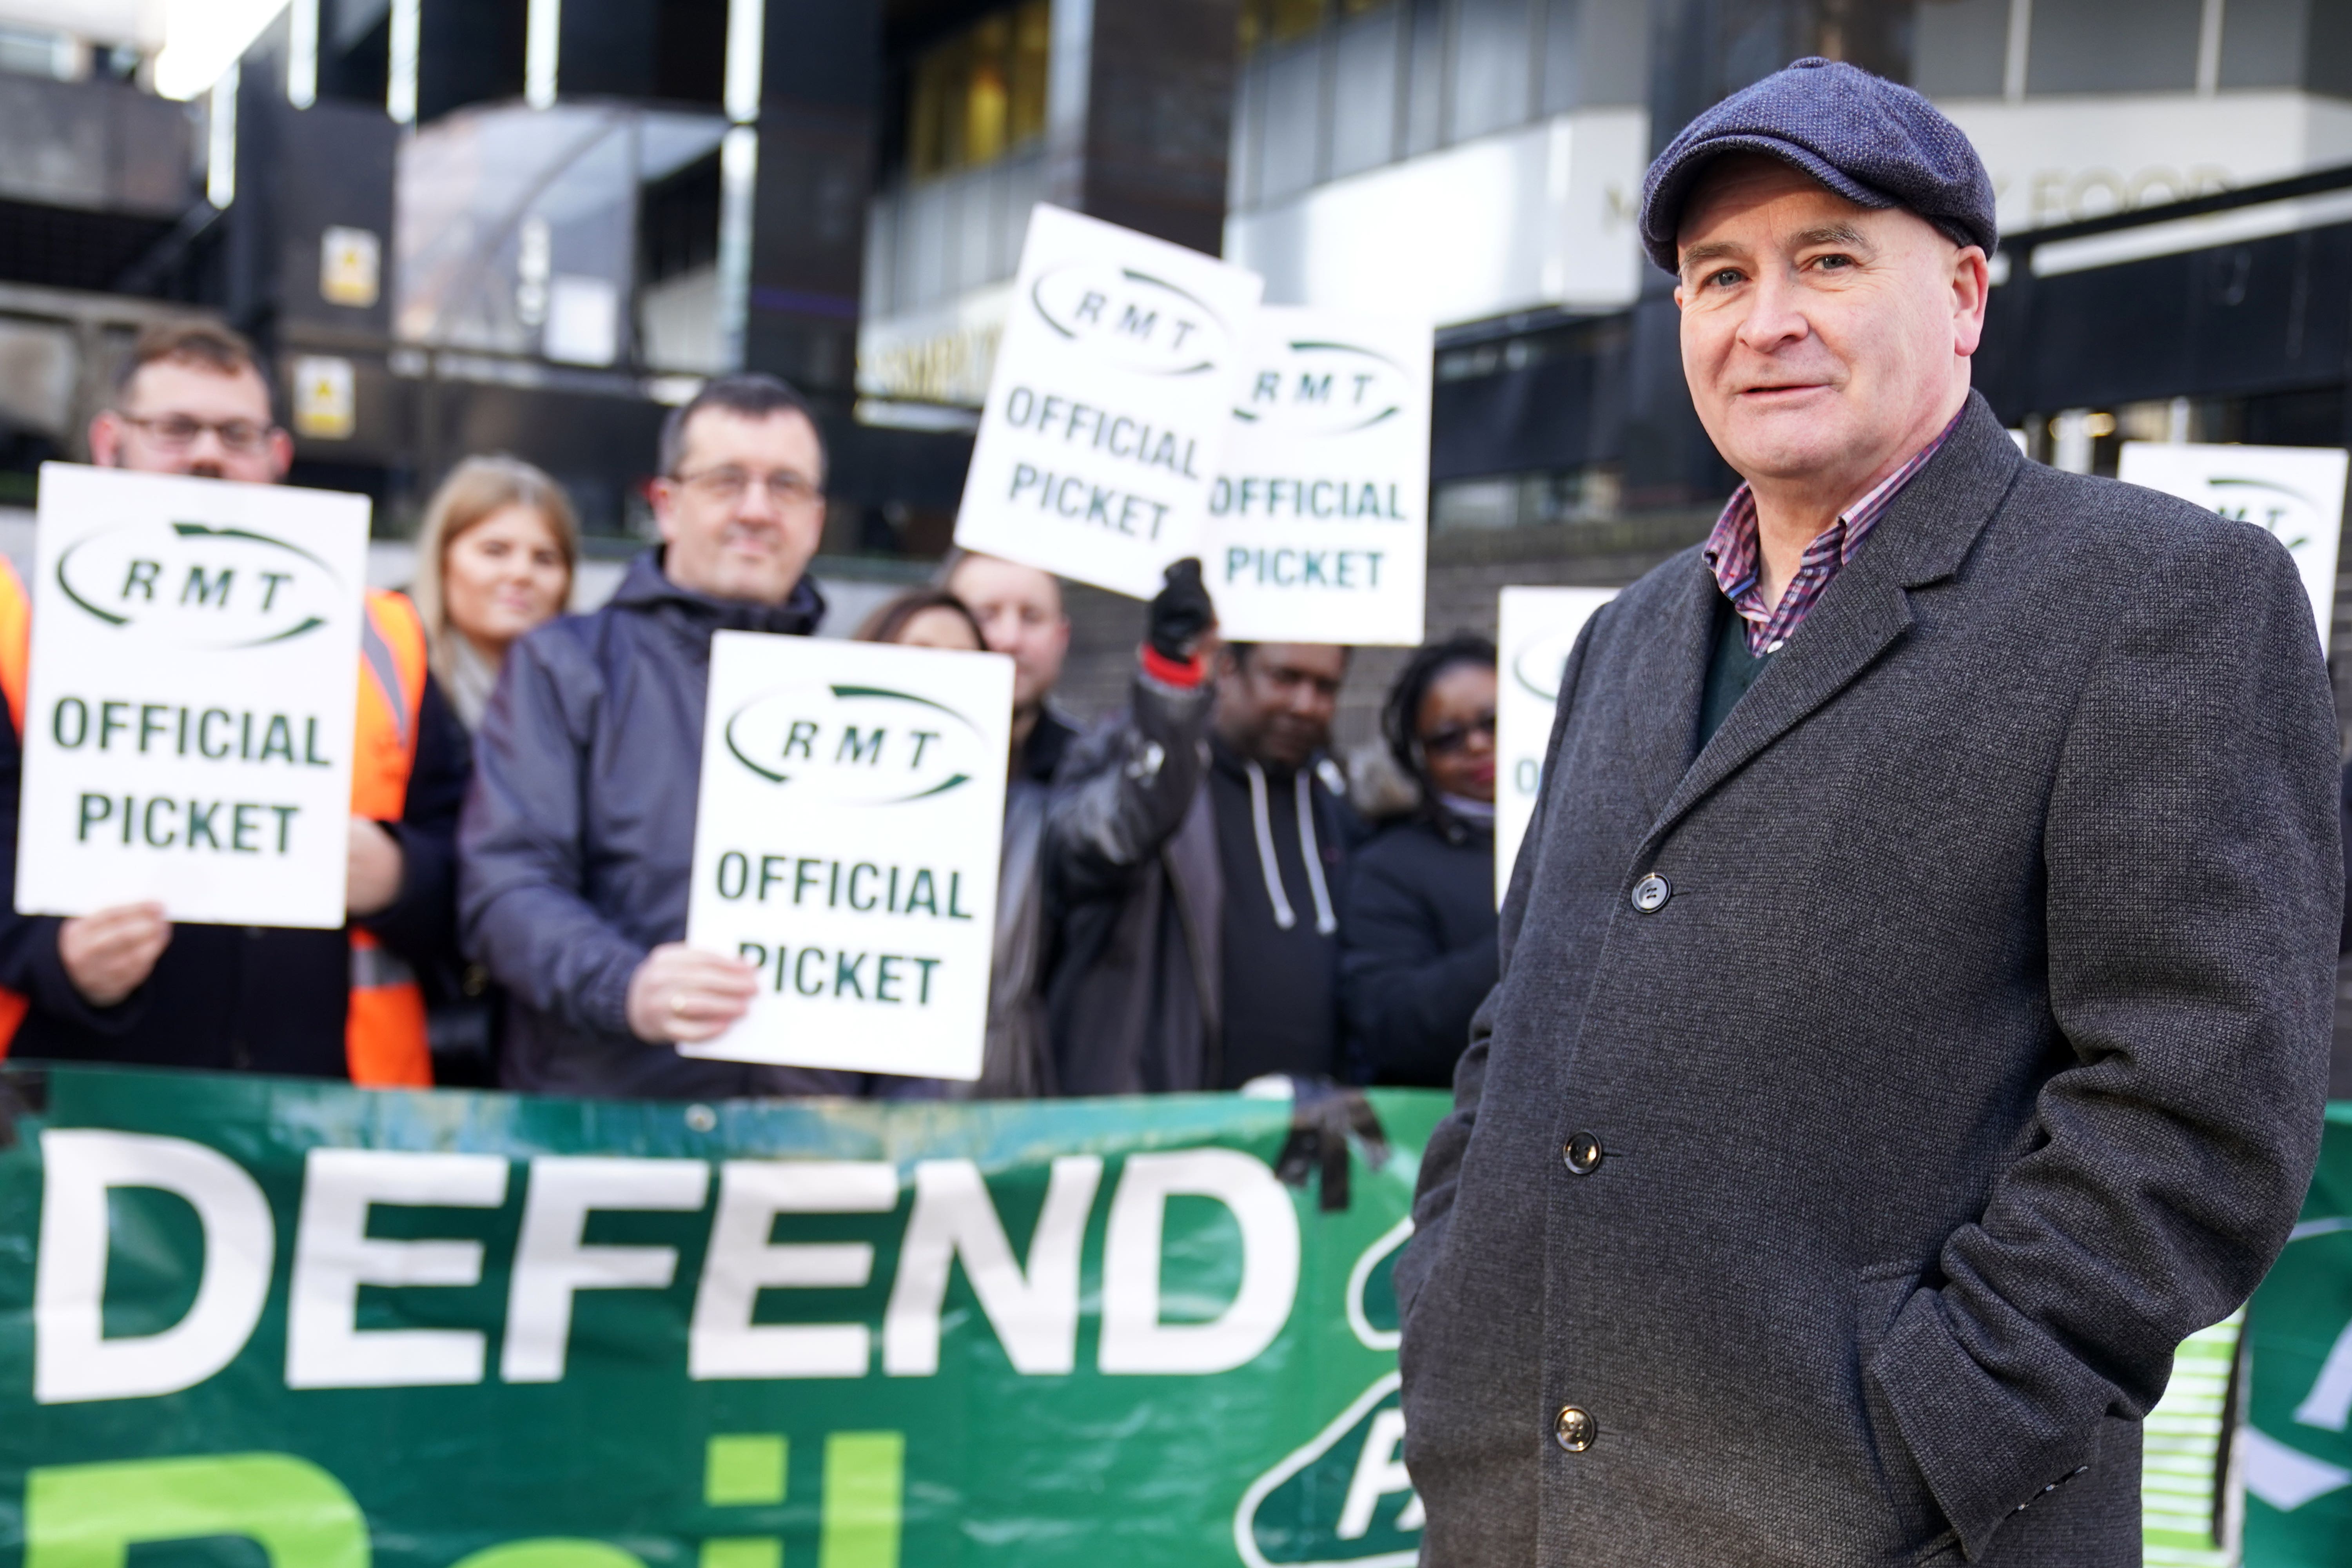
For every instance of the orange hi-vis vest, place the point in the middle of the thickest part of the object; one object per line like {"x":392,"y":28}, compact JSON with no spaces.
{"x":15,"y":649}
{"x":385,"y":1039}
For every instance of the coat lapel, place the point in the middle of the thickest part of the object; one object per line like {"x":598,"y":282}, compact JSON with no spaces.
{"x":1672,"y":663}
{"x":1923,"y":539}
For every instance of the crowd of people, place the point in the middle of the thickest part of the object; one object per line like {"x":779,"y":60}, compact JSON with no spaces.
{"x":1188,"y":900}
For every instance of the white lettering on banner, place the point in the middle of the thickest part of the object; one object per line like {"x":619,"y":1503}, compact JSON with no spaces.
{"x":1134,"y":1339}
{"x":723,"y":1342}
{"x":1537,"y":631}
{"x":553,"y":1259}
{"x":2295,"y":494}
{"x":334,"y":1256}
{"x":1034,"y":1314}
{"x":1109,"y":402}
{"x":1319,"y":527}
{"x":850,"y":816}
{"x":1033,"y":1310}
{"x":193,"y":680}
{"x":73,"y":1358}
{"x":1380,"y":1472}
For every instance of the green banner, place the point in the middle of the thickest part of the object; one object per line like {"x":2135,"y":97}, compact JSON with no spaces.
{"x":2294,"y":1454}
{"x":248,"y":1321}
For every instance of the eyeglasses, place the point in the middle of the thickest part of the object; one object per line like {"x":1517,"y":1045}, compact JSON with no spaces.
{"x":1454,"y":738}
{"x":178,"y":432}
{"x":727,"y":486}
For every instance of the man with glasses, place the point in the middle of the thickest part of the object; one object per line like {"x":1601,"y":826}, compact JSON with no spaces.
{"x":125,"y":984}
{"x":578,"y":839}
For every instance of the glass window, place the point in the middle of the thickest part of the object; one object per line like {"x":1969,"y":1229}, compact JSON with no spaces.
{"x":1596,"y":52}
{"x":980,"y":94}
{"x":1291,"y":113}
{"x":2262,"y":41}
{"x":1491,"y":68}
{"x":1267,"y":22}
{"x":1961,"y":48}
{"x":2090,"y":46}
{"x":1424,"y":120}
{"x":1364,"y":93}
{"x":1241,"y":162}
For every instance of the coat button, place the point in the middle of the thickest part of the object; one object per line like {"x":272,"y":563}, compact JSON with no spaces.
{"x":1580,"y":1153}
{"x":1651,"y":893}
{"x":1575,"y":1429}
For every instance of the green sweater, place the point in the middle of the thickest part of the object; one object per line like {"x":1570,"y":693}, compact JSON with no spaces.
{"x":1730,"y":671}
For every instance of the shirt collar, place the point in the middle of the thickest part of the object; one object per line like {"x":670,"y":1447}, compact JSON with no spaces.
{"x":1732,"y":550}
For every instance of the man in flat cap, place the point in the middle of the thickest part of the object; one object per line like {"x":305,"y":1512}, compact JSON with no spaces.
{"x":1915,"y":990}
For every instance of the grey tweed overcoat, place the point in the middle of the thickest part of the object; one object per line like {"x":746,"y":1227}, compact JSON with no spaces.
{"x":1971,"y":1055}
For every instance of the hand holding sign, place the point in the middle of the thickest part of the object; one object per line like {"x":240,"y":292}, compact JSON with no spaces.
{"x":189,"y":723}
{"x":1113,"y":387}
{"x":846,"y":852}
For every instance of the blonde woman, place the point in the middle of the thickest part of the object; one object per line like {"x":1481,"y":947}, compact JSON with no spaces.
{"x":495,"y":558}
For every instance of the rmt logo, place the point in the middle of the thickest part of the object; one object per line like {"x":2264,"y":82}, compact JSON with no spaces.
{"x":1142,"y":322}
{"x":201,"y":586}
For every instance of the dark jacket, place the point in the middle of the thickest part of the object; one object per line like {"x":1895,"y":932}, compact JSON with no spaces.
{"x":578,"y":839}
{"x":1136,"y":886}
{"x":229,"y":998}
{"x":1418,"y":947}
{"x":1017,"y":1062}
{"x":1967,"y":1051}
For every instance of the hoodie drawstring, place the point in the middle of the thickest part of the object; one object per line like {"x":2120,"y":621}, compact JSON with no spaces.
{"x":1260,"y":818}
{"x":1326,"y":922}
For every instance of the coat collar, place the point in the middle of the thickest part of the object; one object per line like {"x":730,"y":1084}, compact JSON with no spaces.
{"x":1923,"y":539}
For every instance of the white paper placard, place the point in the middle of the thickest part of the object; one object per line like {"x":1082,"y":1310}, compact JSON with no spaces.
{"x":1539,"y":628}
{"x":2296,"y":492}
{"x":1113,"y":390}
{"x":189,"y":719}
{"x":1319,"y":520}
{"x":846,"y":842}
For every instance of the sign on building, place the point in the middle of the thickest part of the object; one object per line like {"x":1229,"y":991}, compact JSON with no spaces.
{"x":1108,"y":410}
{"x":1318,"y":518}
{"x":2296,"y":492}
{"x":1538,"y":630}
{"x":189,"y":721}
{"x":845,"y":845}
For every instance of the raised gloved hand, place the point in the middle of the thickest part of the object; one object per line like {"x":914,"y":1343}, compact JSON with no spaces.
{"x":1180,"y":613}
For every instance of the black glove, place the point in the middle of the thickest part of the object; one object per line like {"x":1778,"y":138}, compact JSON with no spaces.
{"x":1181,"y":611}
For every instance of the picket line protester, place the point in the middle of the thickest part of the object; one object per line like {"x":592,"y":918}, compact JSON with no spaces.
{"x":847,"y":841}
{"x":189,"y":721}
{"x":1109,"y":406}
{"x":1539,"y":628}
{"x":2294,"y":492}
{"x":1319,"y":520}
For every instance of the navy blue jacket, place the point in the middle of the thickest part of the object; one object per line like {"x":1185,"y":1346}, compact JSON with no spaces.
{"x":577,"y":843}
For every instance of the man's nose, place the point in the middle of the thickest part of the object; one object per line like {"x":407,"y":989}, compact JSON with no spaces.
{"x":1775,"y":315}
{"x":759,"y":503}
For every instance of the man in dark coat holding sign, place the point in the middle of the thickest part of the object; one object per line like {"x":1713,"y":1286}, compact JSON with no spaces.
{"x":578,"y":837}
{"x":1916,"y":981}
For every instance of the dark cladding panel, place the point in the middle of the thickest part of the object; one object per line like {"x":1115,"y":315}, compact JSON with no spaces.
{"x":468,"y":51}
{"x":821,"y":86}
{"x":1160,"y":107}
{"x":333,"y":169}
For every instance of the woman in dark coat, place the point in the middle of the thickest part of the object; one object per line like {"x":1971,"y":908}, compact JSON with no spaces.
{"x":1418,"y":944}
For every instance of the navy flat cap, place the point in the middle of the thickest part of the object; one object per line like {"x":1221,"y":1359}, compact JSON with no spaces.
{"x":1872,"y":141}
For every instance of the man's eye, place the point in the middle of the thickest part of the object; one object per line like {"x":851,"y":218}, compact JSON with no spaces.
{"x":1835,"y":263}
{"x":1724,"y":280}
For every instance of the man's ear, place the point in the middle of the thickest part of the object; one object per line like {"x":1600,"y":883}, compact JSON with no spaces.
{"x":1972,"y":294}
{"x":662,"y":495}
{"x":105,"y":437}
{"x":281,"y":453}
